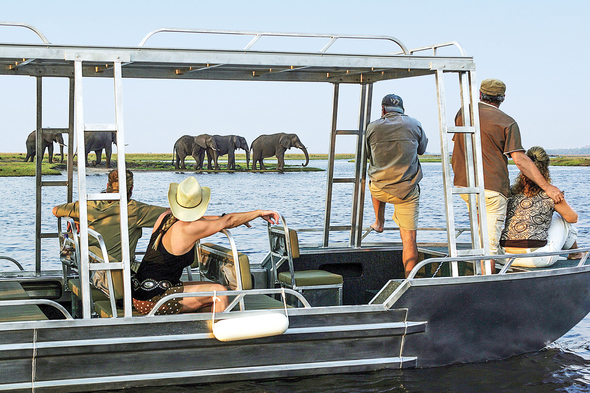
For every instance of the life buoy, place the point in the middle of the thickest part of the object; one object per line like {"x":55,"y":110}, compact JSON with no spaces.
{"x":254,"y":326}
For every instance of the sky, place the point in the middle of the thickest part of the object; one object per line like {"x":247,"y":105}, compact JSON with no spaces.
{"x":539,"y":49}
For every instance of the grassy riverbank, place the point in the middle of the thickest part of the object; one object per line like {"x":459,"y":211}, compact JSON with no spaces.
{"x":12,"y":164}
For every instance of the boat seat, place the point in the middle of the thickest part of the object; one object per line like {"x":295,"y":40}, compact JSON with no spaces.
{"x":10,"y":290}
{"x":216,"y":263}
{"x":70,"y":258}
{"x":103,"y":309}
{"x":316,"y":285}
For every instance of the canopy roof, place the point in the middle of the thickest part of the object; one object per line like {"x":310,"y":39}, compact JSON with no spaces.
{"x":48,"y":59}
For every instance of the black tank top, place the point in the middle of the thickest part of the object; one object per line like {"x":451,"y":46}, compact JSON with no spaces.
{"x":159,"y":270}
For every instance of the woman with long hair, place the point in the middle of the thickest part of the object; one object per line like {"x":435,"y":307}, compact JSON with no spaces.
{"x":534,"y":222}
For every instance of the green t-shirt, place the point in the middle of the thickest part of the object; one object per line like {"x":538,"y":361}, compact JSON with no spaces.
{"x":103,"y":217}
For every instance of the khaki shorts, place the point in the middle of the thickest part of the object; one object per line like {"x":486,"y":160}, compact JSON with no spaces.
{"x":406,"y":210}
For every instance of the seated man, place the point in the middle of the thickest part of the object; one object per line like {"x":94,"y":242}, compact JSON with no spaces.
{"x":103,"y":217}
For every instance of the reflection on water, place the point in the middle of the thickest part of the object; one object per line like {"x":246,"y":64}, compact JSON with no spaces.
{"x":564,"y":366}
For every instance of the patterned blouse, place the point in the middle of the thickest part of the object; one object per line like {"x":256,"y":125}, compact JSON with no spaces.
{"x":527,"y":220}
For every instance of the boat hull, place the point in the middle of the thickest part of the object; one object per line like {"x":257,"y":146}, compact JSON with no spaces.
{"x":475,"y":319}
{"x":82,"y":356}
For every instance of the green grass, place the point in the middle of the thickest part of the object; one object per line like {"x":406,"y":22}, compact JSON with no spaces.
{"x":12,"y":164}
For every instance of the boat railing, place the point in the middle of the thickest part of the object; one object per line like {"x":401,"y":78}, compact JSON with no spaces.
{"x":505,"y":259}
{"x":47,"y":302}
{"x":259,"y":34}
{"x":434,"y":48}
{"x":367,"y":230}
{"x":17,"y":263}
{"x":27,"y":26}
{"x":239,"y":296}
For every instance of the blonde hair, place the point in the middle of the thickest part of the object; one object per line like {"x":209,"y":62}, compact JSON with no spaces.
{"x":526,"y":186}
{"x":170,"y":220}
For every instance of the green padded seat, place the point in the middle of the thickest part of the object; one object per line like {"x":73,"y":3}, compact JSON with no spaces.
{"x":226,"y":257}
{"x":103,"y":309}
{"x":261,"y":302}
{"x":10,"y":290}
{"x":311,"y":278}
{"x":25,"y":312}
{"x":97,"y":294}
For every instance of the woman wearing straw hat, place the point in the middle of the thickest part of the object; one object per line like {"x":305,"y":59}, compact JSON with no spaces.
{"x":172,"y":248}
{"x":534,"y":222}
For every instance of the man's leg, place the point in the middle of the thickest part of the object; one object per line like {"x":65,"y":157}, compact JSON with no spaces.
{"x":410,"y":252}
{"x":496,"y":205}
{"x":406,"y":217}
{"x":379,"y":208}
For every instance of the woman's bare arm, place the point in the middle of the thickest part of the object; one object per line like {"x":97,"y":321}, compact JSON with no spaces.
{"x":566,"y":212}
{"x":182,"y":236}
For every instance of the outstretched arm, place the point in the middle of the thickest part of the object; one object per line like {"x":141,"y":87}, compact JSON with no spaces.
{"x":528,"y":168}
{"x":182,"y":236}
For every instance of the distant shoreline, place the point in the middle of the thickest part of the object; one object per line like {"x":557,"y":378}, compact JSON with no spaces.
{"x":12,"y":164}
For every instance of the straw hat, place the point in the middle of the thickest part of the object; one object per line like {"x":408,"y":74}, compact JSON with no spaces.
{"x":188,"y":200}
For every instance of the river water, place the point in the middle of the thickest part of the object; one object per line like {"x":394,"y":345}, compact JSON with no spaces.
{"x":564,"y":366}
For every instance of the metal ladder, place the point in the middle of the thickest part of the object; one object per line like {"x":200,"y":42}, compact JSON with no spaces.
{"x":360,"y":173}
{"x":474,"y":165}
{"x":121,"y":196}
{"x":39,"y":182}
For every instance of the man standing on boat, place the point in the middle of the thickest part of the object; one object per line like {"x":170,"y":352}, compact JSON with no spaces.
{"x":103,"y":217}
{"x":393,"y":144}
{"x":500,"y":140}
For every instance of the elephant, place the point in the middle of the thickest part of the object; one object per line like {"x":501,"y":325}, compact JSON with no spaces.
{"x":275,"y":145}
{"x":47,"y":143}
{"x":227,"y":144}
{"x":195,"y":146}
{"x":96,"y":141}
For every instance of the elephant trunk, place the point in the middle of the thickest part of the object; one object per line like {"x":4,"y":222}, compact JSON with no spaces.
{"x":306,"y":155}
{"x":247,"y":158}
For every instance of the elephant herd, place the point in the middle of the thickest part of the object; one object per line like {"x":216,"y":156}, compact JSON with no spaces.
{"x":213,"y":146}
{"x":94,"y":141}
{"x":218,"y":145}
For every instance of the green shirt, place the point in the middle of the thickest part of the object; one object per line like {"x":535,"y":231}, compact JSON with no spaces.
{"x":103,"y":217}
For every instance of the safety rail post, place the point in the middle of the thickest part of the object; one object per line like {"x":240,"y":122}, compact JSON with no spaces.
{"x":474,"y":166}
{"x":84,"y":197}
{"x":40,"y":131}
{"x":331,"y":157}
{"x":361,"y":165}
{"x":358,"y":180}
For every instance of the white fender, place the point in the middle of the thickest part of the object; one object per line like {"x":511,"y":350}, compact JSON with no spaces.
{"x":255,"y":326}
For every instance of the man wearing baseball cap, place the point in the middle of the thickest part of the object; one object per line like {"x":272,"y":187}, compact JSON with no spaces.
{"x":500,"y":140}
{"x":393,"y":144}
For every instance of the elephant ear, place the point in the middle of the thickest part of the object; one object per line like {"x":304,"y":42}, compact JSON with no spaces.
{"x":201,"y":142}
{"x":236,"y":141}
{"x":285,"y":141}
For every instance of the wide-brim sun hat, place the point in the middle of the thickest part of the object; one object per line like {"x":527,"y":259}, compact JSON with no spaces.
{"x":188,"y":200}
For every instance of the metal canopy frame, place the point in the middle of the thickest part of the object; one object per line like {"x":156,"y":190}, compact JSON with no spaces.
{"x":75,"y":62}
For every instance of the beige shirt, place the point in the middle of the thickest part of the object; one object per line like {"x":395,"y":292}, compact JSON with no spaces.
{"x":103,"y":217}
{"x":500,"y":136}
{"x":393,"y":145}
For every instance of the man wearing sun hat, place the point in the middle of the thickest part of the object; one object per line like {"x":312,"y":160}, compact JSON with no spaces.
{"x":500,"y":140}
{"x":172,"y":248}
{"x":393,"y":144}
